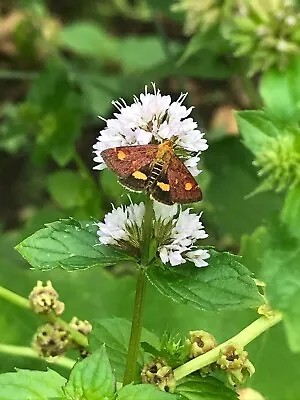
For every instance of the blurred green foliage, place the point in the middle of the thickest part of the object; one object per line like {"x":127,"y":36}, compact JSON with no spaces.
{"x":61,"y":65}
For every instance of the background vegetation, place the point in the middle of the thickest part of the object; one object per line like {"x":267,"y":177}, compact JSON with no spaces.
{"x":61,"y":65}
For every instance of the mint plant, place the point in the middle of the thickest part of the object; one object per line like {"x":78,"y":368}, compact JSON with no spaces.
{"x":163,"y":243}
{"x":144,"y":294}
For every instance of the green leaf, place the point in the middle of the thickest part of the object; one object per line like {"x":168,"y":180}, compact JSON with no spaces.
{"x":88,"y":39}
{"x":141,"y":53}
{"x":54,"y":113}
{"x":91,"y":379}
{"x":224,"y":284}
{"x":209,"y":40}
{"x":280,"y":271}
{"x":280,"y":92}
{"x":274,"y":255}
{"x":290,"y":213}
{"x":143,"y":392}
{"x":256,"y":129}
{"x":204,"y":388}
{"x":251,"y":249}
{"x":233,"y":178}
{"x":115,"y":334}
{"x":74,"y":192}
{"x":99,"y":91}
{"x":205,"y":65}
{"x":66,"y":188}
{"x":31,"y":385}
{"x":70,"y":245}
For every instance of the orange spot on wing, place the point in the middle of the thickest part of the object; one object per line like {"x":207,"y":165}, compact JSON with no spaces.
{"x":139,"y":175}
{"x":121,"y":155}
{"x":164,"y":186}
{"x":188,"y":186}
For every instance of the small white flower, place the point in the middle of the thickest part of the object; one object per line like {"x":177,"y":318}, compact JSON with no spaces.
{"x":163,"y":212}
{"x":176,"y":232}
{"x":198,"y":257}
{"x":115,"y":228}
{"x":152,"y":118}
{"x":178,"y":247}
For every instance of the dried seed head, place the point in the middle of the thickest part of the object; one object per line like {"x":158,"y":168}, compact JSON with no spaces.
{"x":83,"y":327}
{"x":234,"y":360}
{"x":44,"y":299}
{"x":160,"y":374}
{"x":200,"y":342}
{"x":51,"y":340}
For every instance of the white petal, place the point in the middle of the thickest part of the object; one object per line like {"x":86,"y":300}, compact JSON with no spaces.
{"x":198,"y":257}
{"x":115,"y":225}
{"x":176,"y":258}
{"x":164,"y":212}
{"x":163,"y":254}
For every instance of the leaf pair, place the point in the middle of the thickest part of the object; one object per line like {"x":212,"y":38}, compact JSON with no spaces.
{"x":93,"y":379}
{"x":71,"y":245}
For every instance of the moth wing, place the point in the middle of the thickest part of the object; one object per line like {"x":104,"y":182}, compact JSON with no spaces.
{"x":160,"y":190}
{"x":183,"y":186}
{"x":127,"y":159}
{"x":138,"y":180}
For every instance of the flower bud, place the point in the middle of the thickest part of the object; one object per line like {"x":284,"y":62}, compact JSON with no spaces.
{"x":51,"y":340}
{"x":200,"y":15}
{"x":265,"y":310}
{"x":249,"y":394}
{"x":279,"y":162}
{"x":83,"y":327}
{"x":200,"y":342}
{"x":234,"y":360}
{"x":158,"y":373}
{"x":268,"y":33}
{"x":44,"y":299}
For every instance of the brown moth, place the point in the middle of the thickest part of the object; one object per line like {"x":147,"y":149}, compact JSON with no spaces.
{"x":156,"y":169}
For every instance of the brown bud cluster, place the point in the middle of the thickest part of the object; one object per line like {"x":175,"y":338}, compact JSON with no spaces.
{"x":234,"y":360}
{"x":160,"y":374}
{"x":200,"y":342}
{"x":80,"y":326}
{"x":51,"y":340}
{"x":44,"y":299}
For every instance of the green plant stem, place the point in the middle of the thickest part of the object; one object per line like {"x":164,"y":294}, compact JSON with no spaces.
{"x":147,"y":231}
{"x":246,"y":336}
{"x":22,"y":351}
{"x":20,"y":301}
{"x":14,"y":298}
{"x":136,"y":327}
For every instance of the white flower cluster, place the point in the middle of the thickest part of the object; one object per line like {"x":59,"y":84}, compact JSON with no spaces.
{"x":176,"y":246}
{"x":152,"y":118}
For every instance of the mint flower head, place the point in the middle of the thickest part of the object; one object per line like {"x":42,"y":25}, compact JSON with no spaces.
{"x":153,"y":118}
{"x":201,"y":14}
{"x":175,"y":231}
{"x":267,"y":32}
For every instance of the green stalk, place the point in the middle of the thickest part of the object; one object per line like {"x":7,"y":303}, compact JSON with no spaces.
{"x":136,"y":327}
{"x":147,"y":231}
{"x":22,"y":351}
{"x":14,"y":298}
{"x":243,"y":338}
